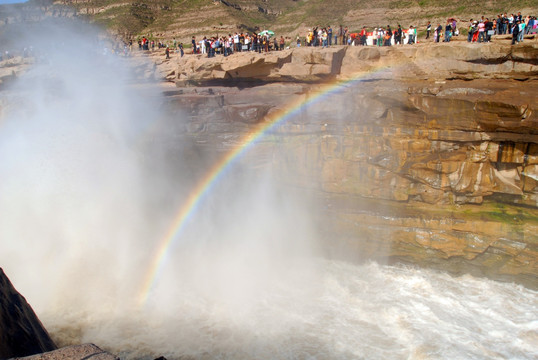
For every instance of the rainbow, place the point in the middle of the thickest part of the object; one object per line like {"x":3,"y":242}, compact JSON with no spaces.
{"x":204,"y":186}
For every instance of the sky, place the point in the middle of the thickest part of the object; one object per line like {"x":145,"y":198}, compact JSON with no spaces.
{"x":11,"y":1}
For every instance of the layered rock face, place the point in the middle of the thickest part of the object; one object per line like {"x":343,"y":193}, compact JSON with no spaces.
{"x":426,"y":154}
{"x":459,"y":60}
{"x":21,"y":332}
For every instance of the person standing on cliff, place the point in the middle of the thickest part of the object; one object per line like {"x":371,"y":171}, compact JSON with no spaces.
{"x":388,"y":36}
{"x":167,"y":52}
{"x":193,"y":42}
{"x":448,"y":31}
{"x":439,"y":30}
{"x":398,"y":35}
{"x":411,"y":35}
{"x":521,"y":30}
{"x":428,"y":30}
{"x":236,"y":42}
{"x":481,"y":32}
{"x":340,"y":34}
{"x":380,"y":36}
{"x":515,"y":32}
{"x":330,"y":35}
{"x":489,"y":29}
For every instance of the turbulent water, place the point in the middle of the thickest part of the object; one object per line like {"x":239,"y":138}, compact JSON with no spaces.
{"x":325,"y":310}
{"x":91,"y":179}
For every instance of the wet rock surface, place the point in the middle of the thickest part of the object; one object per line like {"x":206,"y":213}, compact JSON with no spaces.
{"x":21,"y":332}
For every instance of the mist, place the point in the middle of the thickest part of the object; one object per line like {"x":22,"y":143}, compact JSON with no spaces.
{"x":90,"y":186}
{"x":93,"y":173}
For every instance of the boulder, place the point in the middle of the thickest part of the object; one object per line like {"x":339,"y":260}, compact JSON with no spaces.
{"x":21,"y":332}
{"x":75,"y":352}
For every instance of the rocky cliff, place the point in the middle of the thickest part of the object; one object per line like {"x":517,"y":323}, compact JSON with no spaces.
{"x":21,"y":332}
{"x":426,"y":154}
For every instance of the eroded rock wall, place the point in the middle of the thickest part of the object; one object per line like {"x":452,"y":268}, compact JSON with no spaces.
{"x":422,"y":154}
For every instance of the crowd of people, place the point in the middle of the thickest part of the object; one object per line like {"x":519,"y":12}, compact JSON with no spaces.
{"x":481,"y":30}
{"x":227,"y":45}
{"x":478,"y":30}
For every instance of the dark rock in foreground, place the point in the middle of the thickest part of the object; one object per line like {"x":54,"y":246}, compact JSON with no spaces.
{"x":21,"y":332}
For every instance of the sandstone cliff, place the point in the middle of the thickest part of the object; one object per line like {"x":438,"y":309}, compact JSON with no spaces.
{"x":457,"y":60}
{"x":21,"y":332}
{"x":425,"y":153}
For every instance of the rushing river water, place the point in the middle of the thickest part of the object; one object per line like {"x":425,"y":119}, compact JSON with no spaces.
{"x":326,"y":310}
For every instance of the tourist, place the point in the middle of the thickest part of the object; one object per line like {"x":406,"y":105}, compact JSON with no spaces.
{"x":256,"y":43}
{"x":387,"y":38}
{"x":167,"y":52}
{"x":203,"y":48}
{"x":448,"y":31}
{"x":282,"y":42}
{"x":481,"y":31}
{"x":411,"y":35}
{"x":515,"y":33}
{"x":504,"y":23}
{"x":472,"y":30}
{"x":428,"y":29}
{"x":398,"y":35}
{"x":362,"y":36}
{"x":489,"y":29}
{"x":236,"y":42}
{"x":475,"y":31}
{"x":247,"y":41}
{"x":330,"y":35}
{"x":521,"y":30}
{"x":454,"y":29}
{"x":265,"y":43}
{"x":438,"y":31}
{"x":380,"y":36}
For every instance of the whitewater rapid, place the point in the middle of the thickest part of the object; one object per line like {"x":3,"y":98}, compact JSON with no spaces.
{"x":333,"y":310}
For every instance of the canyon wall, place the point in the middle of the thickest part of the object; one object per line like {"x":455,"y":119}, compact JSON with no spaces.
{"x":427,"y":154}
